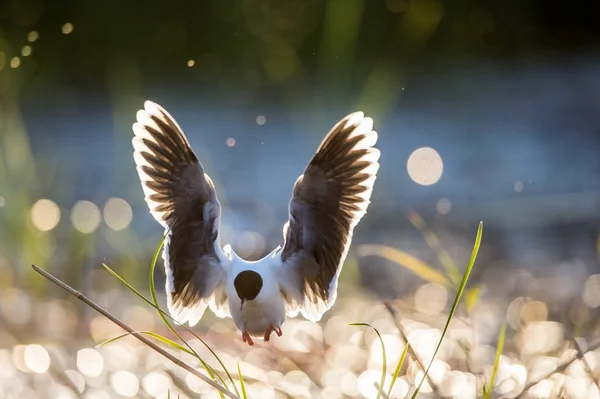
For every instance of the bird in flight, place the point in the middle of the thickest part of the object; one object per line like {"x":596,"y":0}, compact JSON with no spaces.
{"x":328,"y":200}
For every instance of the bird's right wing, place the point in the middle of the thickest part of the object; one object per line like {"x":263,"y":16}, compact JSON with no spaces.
{"x":182,"y":198}
{"x":328,"y":201}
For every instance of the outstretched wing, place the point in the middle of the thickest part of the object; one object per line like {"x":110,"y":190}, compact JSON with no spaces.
{"x":182,"y":198}
{"x":328,"y":200}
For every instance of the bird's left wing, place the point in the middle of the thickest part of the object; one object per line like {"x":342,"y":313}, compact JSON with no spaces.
{"x":328,"y":200}
{"x":182,"y":198}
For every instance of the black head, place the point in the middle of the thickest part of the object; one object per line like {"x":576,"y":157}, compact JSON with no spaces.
{"x":247,"y":285}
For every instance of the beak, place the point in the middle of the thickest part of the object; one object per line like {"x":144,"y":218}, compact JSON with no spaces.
{"x":242,"y":304}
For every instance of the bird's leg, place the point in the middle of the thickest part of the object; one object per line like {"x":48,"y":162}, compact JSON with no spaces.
{"x":271,"y":329}
{"x":246,"y":338}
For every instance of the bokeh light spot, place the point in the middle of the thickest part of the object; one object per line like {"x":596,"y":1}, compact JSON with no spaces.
{"x":16,"y":306}
{"x":85,"y":216}
{"x":77,"y":379}
{"x":45,"y":214}
{"x":33,"y":36}
{"x":156,"y":383}
{"x":36,"y":358}
{"x":7,"y":368}
{"x":26,"y":51}
{"x":261,"y":120}
{"x":425,"y":166}
{"x":431,"y":299}
{"x":125,"y":383}
{"x":230,"y":142}
{"x":191,"y":63}
{"x":443,"y":206}
{"x":67,"y":28}
{"x":518,"y":186}
{"x":366,"y":383}
{"x":15,"y":62}
{"x":250,"y":243}
{"x":541,"y":337}
{"x":90,"y":362}
{"x":117,"y":214}
{"x":534,"y":311}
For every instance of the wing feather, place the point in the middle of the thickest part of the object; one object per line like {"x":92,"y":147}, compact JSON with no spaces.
{"x":328,"y":201}
{"x":182,"y":198}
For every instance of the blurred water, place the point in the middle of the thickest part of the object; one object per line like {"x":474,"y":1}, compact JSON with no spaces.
{"x":519,"y":142}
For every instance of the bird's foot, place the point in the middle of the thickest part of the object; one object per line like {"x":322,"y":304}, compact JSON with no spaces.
{"x":270,"y":330}
{"x":246,"y":338}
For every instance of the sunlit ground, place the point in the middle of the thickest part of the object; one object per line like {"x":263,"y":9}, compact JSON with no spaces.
{"x":49,"y":348}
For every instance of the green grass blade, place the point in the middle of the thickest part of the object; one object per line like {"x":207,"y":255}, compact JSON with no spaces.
{"x":169,"y":342}
{"x":122,"y":280}
{"x":499,"y":349}
{"x":384,"y":371}
{"x":154,"y":335}
{"x":397,"y":371}
{"x":472,"y":296}
{"x":401,"y":258}
{"x":435,"y":245}
{"x":461,"y":289}
{"x":111,"y":340}
{"x":242,"y":384}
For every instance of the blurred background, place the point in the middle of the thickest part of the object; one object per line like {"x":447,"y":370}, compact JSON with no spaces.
{"x":486,"y":110}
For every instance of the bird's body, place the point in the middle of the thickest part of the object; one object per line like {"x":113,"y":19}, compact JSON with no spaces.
{"x":267,"y":309}
{"x":328,"y":201}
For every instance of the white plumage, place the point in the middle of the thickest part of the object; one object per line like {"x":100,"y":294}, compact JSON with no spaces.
{"x":328,"y":200}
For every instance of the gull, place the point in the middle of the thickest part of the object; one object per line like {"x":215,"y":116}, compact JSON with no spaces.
{"x":328,"y":200}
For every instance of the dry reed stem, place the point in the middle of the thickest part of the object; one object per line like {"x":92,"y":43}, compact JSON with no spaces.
{"x":125,"y":327}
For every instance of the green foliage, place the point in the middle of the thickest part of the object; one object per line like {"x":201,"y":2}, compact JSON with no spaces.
{"x":472,"y":297}
{"x":154,"y":335}
{"x":384,"y":370}
{"x":242,"y":384}
{"x":487,"y":392}
{"x":435,"y":245}
{"x":397,"y":371}
{"x":417,"y":266}
{"x":461,"y":288}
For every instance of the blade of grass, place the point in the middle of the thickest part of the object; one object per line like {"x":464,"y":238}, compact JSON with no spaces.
{"x":472,"y":297}
{"x":242,"y":384}
{"x":397,"y":371}
{"x":499,"y":349}
{"x":140,"y":337}
{"x":156,"y":336}
{"x":411,"y":350}
{"x":435,"y":245}
{"x":461,"y":288}
{"x":401,"y":258}
{"x":384,"y":370}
